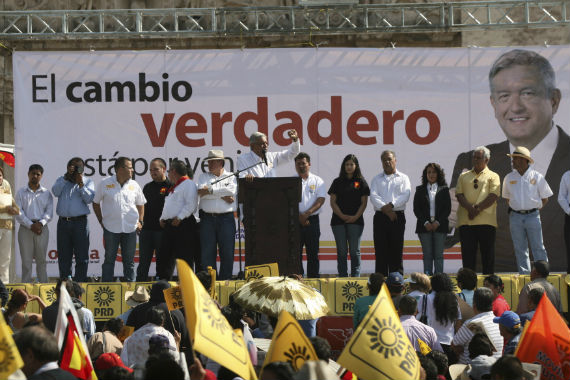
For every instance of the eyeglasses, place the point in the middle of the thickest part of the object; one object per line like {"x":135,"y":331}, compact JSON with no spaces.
{"x":475,"y":183}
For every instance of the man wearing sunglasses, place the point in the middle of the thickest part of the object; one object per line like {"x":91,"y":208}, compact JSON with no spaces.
{"x":477,"y":192}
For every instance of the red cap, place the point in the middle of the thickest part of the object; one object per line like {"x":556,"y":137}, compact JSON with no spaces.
{"x":109,"y":360}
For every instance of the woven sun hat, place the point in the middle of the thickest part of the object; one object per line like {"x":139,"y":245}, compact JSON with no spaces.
{"x":521,"y":151}
{"x":136,"y":297}
{"x":215,"y":154}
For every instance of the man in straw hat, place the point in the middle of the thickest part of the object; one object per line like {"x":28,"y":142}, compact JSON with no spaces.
{"x":217,"y":207}
{"x":526,"y":192}
{"x":134,"y":298}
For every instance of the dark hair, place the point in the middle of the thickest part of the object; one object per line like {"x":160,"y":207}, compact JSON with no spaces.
{"x":480,"y":344}
{"x":179,"y":167}
{"x":115,"y":373}
{"x":205,"y":279}
{"x":322,"y":348}
{"x":162,"y":162}
{"x":445,"y":301}
{"x":467,"y":278}
{"x":375,"y":282}
{"x":3,"y":293}
{"x":156,"y":316}
{"x":163,"y":366}
{"x":541,"y":267}
{"x":281,"y":370}
{"x":520,"y":57}
{"x":302,"y":155}
{"x":227,"y":374}
{"x":496,"y":281}
{"x":440,"y":174}
{"x":408,"y":305}
{"x":68,"y":287}
{"x":483,"y":299}
{"x":535,"y":295}
{"x":114,"y":325}
{"x":76,"y":159}
{"x":121,"y":162}
{"x":507,"y":367}
{"x":36,"y":167}
{"x":429,"y":366}
{"x":357,"y":173}
{"x":40,"y":341}
{"x":441,"y":361}
{"x":18,"y":299}
{"x":77,"y":289}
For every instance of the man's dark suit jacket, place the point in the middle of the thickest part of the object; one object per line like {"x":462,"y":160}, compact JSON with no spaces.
{"x":551,"y":215}
{"x":442,"y":208}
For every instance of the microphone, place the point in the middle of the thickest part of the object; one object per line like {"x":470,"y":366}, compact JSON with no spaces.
{"x":263,"y":152}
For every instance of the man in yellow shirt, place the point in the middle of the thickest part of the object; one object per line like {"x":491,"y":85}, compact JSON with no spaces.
{"x":477,"y":192}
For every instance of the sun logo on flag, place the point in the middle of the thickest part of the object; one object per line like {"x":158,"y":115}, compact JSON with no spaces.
{"x":50,"y":295}
{"x":6,"y":355}
{"x":386,"y":337}
{"x":212,"y":314}
{"x":177,"y":294}
{"x":352,"y":290}
{"x":297,"y":355}
{"x":253,"y":275}
{"x":104,"y":296}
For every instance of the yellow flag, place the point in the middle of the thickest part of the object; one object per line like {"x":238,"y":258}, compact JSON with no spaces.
{"x":173,"y":297}
{"x":254,"y":272}
{"x":424,"y":348}
{"x":380,"y":348}
{"x":212,"y":273}
{"x":10,"y":359}
{"x":211,"y":332}
{"x":289,"y":343}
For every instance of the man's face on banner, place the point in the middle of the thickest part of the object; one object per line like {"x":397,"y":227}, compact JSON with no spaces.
{"x":522,"y":106}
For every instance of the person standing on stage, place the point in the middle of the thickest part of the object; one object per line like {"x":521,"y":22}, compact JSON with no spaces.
{"x":526,"y":192}
{"x":178,"y":221}
{"x":119,"y":207}
{"x":150,"y":236}
{"x":74,"y":194}
{"x":217,"y":207}
{"x":258,"y":144}
{"x":9,"y":209}
{"x":313,"y":194}
{"x":389,"y":193}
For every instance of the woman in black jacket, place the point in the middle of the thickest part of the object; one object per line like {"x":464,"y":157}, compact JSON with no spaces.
{"x":432,"y":206}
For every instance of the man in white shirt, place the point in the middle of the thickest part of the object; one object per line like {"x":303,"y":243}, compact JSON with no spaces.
{"x":483,"y":319}
{"x":178,"y":222}
{"x":267,"y":160}
{"x":118,"y":206}
{"x":313,"y":194}
{"x":526,"y":192}
{"x":36,"y":210}
{"x":217,"y":207}
{"x":564,"y":201}
{"x":389,"y":193}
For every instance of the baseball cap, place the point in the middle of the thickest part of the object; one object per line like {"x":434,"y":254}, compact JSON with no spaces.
{"x":395,"y":278}
{"x":508,"y":319}
{"x":109,"y":360}
{"x":160,"y":341}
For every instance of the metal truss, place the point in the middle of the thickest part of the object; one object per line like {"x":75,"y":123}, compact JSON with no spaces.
{"x":262,"y":21}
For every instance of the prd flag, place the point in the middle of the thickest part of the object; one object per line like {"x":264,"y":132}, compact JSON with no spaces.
{"x":10,"y":359}
{"x":380,"y":348}
{"x":173,"y":297}
{"x":73,"y":357}
{"x":289,"y":343}
{"x":255,"y":272}
{"x":546,"y":341}
{"x":424,"y":348}
{"x":211,"y":332}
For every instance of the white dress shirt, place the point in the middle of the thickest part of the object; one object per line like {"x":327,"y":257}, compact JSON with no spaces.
{"x":182,"y":202}
{"x":527,"y":191}
{"x":313,"y":188}
{"x":213,"y":203}
{"x":118,"y":204}
{"x":432,"y":191}
{"x":394,"y":188}
{"x":564,"y":193}
{"x":34,"y":205}
{"x":273,"y":159}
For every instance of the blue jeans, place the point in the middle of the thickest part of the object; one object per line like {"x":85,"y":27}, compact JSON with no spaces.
{"x":347,"y":237}
{"x":128,"y":242}
{"x":310,"y":239}
{"x":432,"y":247}
{"x":218,"y":231}
{"x":525,"y":226}
{"x":73,"y":239}
{"x":149,"y":242}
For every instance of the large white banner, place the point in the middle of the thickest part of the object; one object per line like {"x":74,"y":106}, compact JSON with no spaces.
{"x":428,"y":105}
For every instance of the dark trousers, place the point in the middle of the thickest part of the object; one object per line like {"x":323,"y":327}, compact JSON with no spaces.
{"x":567,"y":239}
{"x":389,"y":242}
{"x":181,"y":242}
{"x":73,"y":240}
{"x":310,"y":239}
{"x":149,"y":244}
{"x":482,"y":237}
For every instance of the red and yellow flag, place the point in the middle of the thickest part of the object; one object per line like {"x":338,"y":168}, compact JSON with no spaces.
{"x":546,"y":341}
{"x":73,"y":357}
{"x":10,"y":359}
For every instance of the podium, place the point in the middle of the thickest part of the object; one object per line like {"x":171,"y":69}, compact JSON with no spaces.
{"x":271,"y":222}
